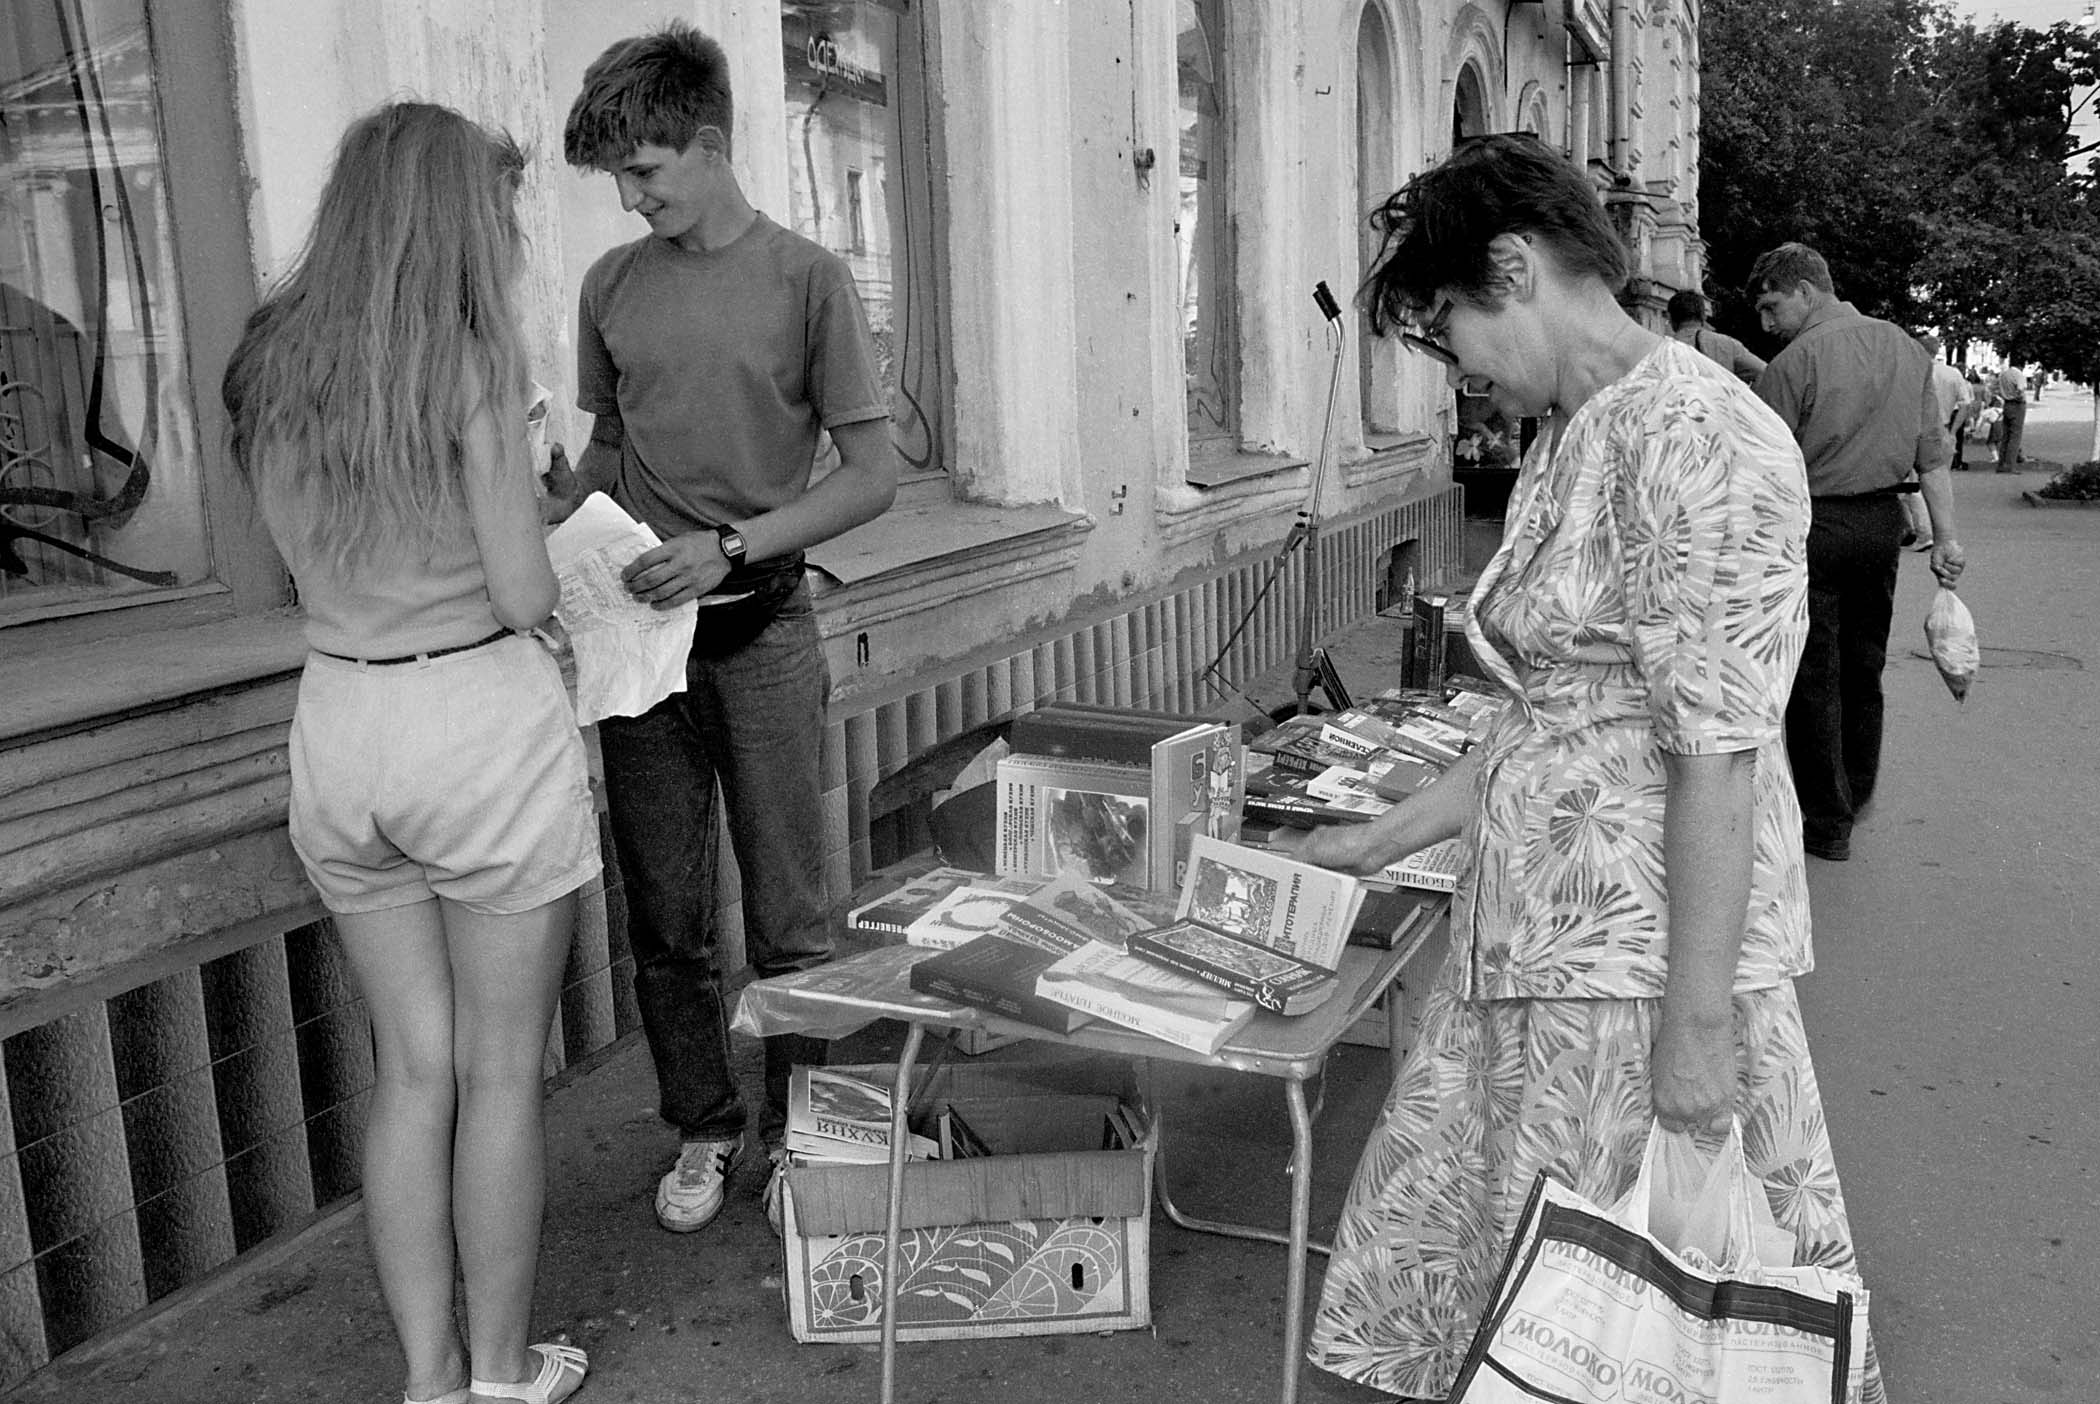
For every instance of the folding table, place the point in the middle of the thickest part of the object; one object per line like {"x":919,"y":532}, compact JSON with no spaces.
{"x":1293,"y":1049}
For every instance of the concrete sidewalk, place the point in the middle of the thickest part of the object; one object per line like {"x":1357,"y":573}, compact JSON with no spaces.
{"x":1952,"y":1018}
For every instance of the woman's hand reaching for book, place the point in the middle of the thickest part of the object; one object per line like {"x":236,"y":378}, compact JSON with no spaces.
{"x":1362,"y":849}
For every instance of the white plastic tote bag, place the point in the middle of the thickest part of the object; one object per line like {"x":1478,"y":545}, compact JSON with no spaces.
{"x":1593,"y":1307}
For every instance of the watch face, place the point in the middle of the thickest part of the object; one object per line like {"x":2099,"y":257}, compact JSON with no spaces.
{"x":732,"y":543}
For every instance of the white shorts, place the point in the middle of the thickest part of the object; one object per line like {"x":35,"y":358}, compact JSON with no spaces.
{"x":460,"y":777}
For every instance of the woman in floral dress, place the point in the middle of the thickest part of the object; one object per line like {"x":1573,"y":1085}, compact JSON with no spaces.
{"x":1625,"y":945}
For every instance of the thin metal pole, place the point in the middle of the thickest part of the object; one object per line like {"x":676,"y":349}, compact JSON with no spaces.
{"x":900,"y":1151}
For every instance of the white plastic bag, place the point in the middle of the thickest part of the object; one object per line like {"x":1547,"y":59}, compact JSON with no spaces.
{"x":1950,"y":633}
{"x":1691,"y":1201}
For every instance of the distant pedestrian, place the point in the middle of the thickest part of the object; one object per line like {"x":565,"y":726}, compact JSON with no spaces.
{"x":1857,"y":394}
{"x":2009,"y":394}
{"x":1952,"y":394}
{"x":1688,"y":324}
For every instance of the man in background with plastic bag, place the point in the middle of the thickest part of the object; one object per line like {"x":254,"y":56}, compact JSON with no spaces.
{"x":1857,"y":394}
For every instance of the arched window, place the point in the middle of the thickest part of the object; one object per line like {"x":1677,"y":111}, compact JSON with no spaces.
{"x":1377,"y":175}
{"x":1204,"y":228}
{"x":1469,"y":114}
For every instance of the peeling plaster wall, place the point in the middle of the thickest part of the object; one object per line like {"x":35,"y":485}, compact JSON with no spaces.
{"x":308,"y":70}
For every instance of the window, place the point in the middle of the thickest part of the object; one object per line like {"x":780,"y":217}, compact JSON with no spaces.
{"x":1203,"y":230}
{"x":102,"y":483}
{"x":1469,"y":114}
{"x":1377,"y":176}
{"x":860,"y":185}
{"x":857,"y":210}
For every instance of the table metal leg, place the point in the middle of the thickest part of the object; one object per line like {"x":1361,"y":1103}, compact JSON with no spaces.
{"x":1301,"y":1154}
{"x":900,"y":1151}
{"x":1301,"y":1230}
{"x":1395,"y":1029}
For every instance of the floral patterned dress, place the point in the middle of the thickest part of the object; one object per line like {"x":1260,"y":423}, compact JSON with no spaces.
{"x":1649,"y":597}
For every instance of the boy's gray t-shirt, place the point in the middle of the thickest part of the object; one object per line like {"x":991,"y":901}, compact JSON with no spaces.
{"x":722,"y":365}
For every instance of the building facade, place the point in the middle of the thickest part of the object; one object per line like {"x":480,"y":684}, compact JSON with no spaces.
{"x":1087,"y":233}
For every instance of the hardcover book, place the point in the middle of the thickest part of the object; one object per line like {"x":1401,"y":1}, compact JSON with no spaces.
{"x":1436,"y":868}
{"x":1390,"y":916}
{"x":998,"y":973}
{"x":1089,"y":818}
{"x":1086,"y":731}
{"x":1425,"y":660}
{"x":1259,"y":926}
{"x":1348,"y":787}
{"x":1194,"y":784}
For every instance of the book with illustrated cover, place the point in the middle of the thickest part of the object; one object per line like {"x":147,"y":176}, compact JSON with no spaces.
{"x":998,"y":970}
{"x":966,"y":913}
{"x":1198,"y":787}
{"x":909,"y":900}
{"x":1089,"y":818}
{"x":1086,"y":908}
{"x":1258,"y":925}
{"x":1194,"y":784}
{"x":1436,"y":868}
{"x":1123,"y":989}
{"x":1282,"y":799}
{"x":1395,"y":777}
{"x":838,"y":1119}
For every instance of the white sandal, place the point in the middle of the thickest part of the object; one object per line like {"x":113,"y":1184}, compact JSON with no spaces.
{"x":557,"y":1362}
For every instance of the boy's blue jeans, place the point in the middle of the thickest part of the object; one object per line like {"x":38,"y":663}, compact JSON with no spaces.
{"x":754,"y":720}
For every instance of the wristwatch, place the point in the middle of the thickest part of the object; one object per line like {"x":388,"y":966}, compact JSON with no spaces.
{"x":732,"y":542}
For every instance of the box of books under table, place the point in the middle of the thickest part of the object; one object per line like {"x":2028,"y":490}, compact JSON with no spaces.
{"x":1035,"y":1221}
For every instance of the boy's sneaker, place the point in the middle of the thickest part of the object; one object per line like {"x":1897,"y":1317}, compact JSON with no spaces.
{"x":689,"y":1197}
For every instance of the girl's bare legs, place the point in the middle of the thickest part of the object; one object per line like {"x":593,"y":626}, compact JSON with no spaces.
{"x":506,"y":975}
{"x":404,"y":971}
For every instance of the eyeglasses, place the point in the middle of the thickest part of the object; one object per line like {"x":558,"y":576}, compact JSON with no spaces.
{"x":1429,"y":340}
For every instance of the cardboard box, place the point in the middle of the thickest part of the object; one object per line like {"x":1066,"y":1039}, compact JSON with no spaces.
{"x":1050,"y":1235}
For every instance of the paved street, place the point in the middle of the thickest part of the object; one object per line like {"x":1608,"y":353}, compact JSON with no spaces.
{"x":1953,"y":1021}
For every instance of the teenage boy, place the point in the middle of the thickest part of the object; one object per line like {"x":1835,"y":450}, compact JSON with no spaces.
{"x":711,"y":353}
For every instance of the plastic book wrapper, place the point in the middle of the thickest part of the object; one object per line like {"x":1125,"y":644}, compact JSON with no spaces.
{"x":832,"y":1001}
{"x":1950,"y":633}
{"x":629,"y":655}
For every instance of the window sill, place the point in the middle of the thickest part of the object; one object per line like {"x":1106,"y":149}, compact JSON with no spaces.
{"x":914,"y":556}
{"x":1389,"y":458}
{"x":70,"y":686}
{"x":1211,"y":470}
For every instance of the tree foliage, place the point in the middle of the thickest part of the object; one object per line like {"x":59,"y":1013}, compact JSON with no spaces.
{"x":1929,"y":160}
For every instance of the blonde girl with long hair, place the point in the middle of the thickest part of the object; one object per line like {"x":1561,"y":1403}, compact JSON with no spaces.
{"x":439,"y":798}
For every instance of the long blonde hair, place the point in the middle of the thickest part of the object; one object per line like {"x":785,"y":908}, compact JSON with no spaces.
{"x":353,"y":383}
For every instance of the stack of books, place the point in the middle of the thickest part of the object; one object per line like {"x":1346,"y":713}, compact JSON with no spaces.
{"x":1114,"y":795}
{"x":1353,"y":765}
{"x":1251,"y":930}
{"x":837,"y":1119}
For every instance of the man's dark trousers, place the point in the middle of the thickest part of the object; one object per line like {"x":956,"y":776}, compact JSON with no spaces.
{"x":1833,"y":718}
{"x":751,"y":720}
{"x":2012,"y":429}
